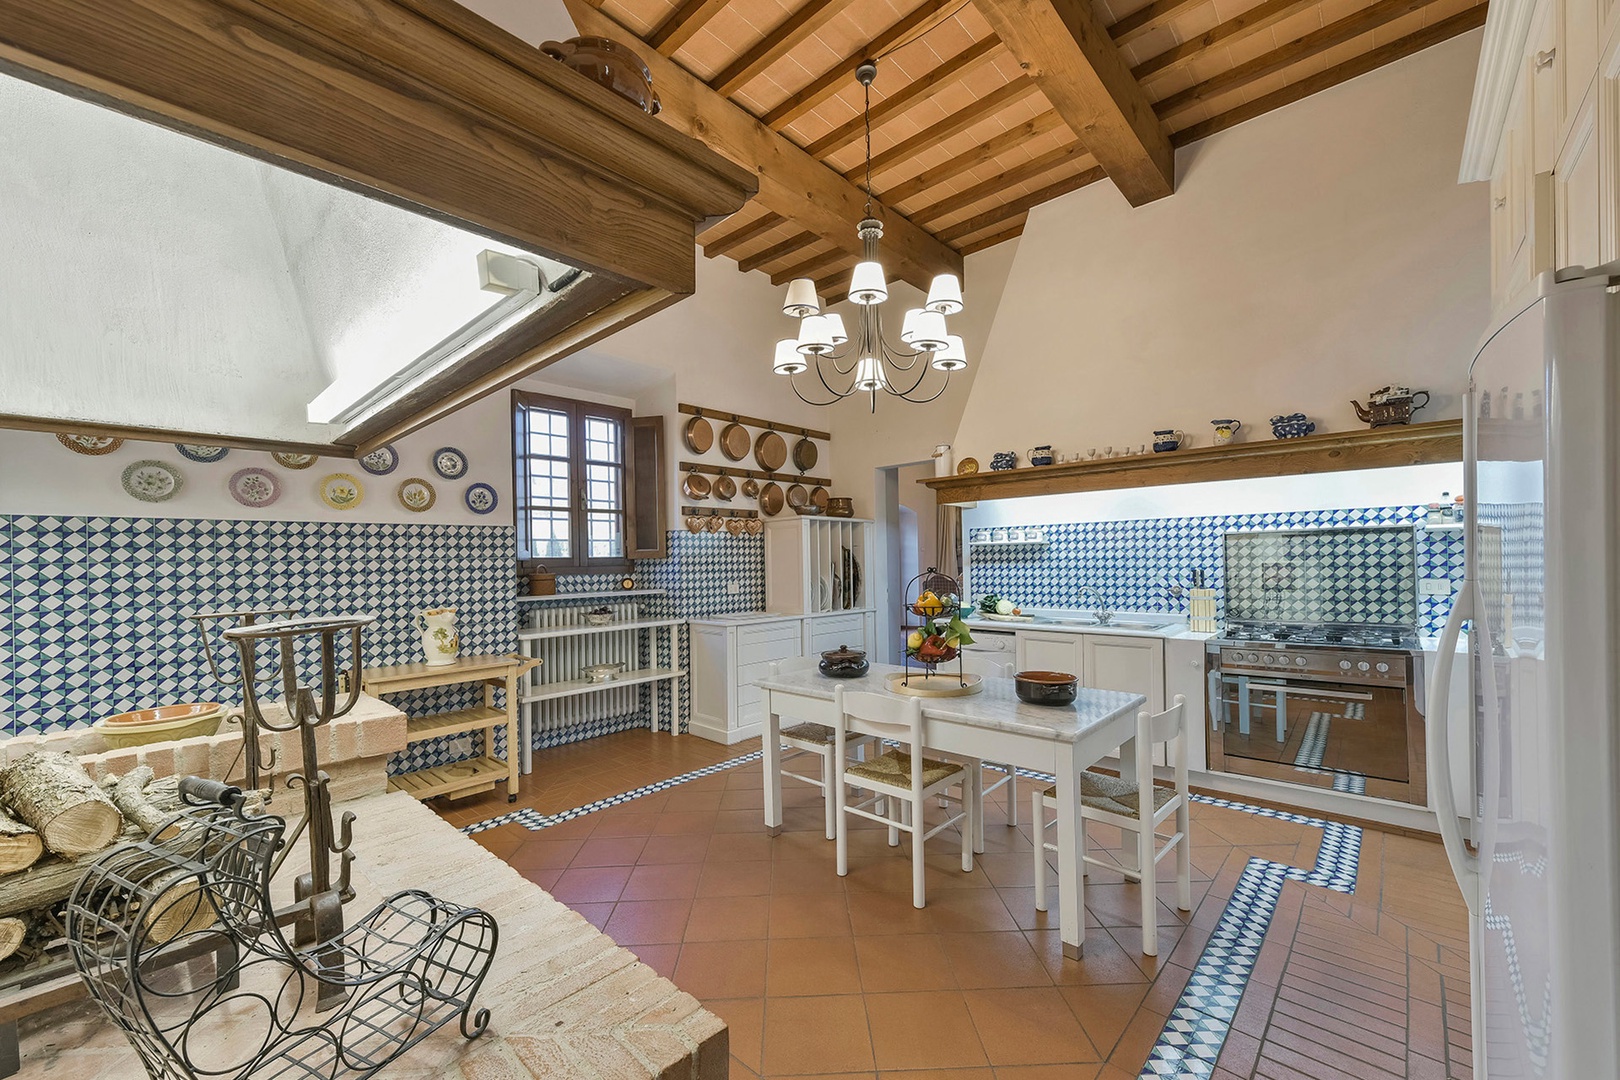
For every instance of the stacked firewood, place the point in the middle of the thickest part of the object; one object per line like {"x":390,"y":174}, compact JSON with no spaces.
{"x":55,"y":820}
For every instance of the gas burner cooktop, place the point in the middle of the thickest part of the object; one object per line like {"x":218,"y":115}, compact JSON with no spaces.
{"x":1344,"y":635}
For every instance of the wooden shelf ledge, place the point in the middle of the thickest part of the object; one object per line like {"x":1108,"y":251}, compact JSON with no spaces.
{"x":1376,"y":448}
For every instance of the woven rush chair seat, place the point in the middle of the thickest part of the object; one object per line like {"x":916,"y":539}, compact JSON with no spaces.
{"x":1103,"y":792}
{"x":894,"y":767}
{"x":820,"y":734}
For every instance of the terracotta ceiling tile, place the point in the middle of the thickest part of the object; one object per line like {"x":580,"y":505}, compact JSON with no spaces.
{"x":1340,"y":53}
{"x":1229,"y":9}
{"x":1246,"y":49}
{"x":1152,"y":43}
{"x":1194,"y":21}
{"x":1265,"y":85}
{"x":1406,"y":24}
{"x":1171,"y":82}
{"x":1299,"y":25}
{"x":640,"y":17}
{"x":1123,"y":8}
{"x":1334,"y":10}
{"x":1444,"y":9}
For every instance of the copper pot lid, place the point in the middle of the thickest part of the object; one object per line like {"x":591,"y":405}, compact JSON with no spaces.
{"x":734,"y":441}
{"x":725,"y":488}
{"x":699,"y":435}
{"x":696,"y":486}
{"x":798,"y":495}
{"x":770,"y":450}
{"x":819,"y":497}
{"x":804,"y":454}
{"x":771,"y":499}
{"x":843,"y":655}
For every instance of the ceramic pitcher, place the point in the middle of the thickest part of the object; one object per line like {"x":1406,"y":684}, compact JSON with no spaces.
{"x":440,"y":642}
{"x":1225,"y":429}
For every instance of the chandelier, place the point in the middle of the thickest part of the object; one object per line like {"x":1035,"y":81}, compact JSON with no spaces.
{"x":867,"y":363}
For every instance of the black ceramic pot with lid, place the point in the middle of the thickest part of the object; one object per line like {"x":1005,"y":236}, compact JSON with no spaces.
{"x":844,"y":663}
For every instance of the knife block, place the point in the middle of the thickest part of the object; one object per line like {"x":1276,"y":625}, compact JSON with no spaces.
{"x":1201,"y":611}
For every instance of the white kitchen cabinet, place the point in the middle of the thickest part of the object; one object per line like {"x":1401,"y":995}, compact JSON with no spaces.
{"x":1580,"y":194}
{"x":1132,"y":664}
{"x":857,"y":629}
{"x":1184,"y":674}
{"x":816,"y":565}
{"x":1040,"y":650}
{"x":727,"y":655}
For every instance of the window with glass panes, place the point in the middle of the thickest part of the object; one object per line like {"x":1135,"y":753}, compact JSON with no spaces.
{"x":570,"y":480}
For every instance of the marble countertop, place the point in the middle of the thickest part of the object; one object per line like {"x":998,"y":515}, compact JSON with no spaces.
{"x":995,"y":707}
{"x":1172,"y":626}
{"x":743,"y":618}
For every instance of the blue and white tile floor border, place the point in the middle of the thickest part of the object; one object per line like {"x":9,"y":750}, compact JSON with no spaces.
{"x":1197,"y":1027}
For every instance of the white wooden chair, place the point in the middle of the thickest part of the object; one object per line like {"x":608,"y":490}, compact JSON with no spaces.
{"x":991,"y":669}
{"x":902,"y":779}
{"x":817,"y":739}
{"x":1118,"y":801}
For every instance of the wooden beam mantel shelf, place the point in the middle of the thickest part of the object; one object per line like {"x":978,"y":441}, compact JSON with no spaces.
{"x":1378,"y":448}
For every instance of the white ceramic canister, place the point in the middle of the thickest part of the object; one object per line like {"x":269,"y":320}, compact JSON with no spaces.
{"x":440,"y":642}
{"x":944,"y":460}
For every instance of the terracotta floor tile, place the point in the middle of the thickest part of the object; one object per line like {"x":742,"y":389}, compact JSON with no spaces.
{"x":923,"y":1030}
{"x":745,"y":1021}
{"x":1083,"y":1071}
{"x":546,"y":879}
{"x":591,"y":884}
{"x":648,"y":922}
{"x":1103,"y":961}
{"x":809,"y":915}
{"x":543,"y":852}
{"x":825,"y":1033}
{"x":680,"y":848}
{"x":807,"y":967}
{"x":1136,"y":1040}
{"x":662,"y":881}
{"x":625,"y":823}
{"x":968,"y":909}
{"x":1104,"y":1011}
{"x":1028,"y":1026}
{"x":735,"y":879}
{"x":661,"y":958}
{"x":739,"y":847}
{"x":805,"y":876}
{"x":596,"y":914}
{"x":939,"y":1074}
{"x":722,"y":969}
{"x":728,"y":918}
{"x":610,"y":851}
{"x":1000,"y":958}
{"x":885,"y":913}
{"x":903,"y":962}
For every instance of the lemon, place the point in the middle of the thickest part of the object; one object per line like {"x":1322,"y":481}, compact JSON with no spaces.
{"x":915,"y":640}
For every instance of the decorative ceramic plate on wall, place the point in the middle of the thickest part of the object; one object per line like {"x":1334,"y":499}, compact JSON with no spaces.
{"x":294,"y":461}
{"x":450,"y":463}
{"x":152,"y":481}
{"x":254,"y":487}
{"x":416,"y":494}
{"x":201,"y":451}
{"x":90,"y":445}
{"x":341,"y":491}
{"x":481,"y":498}
{"x":381,"y":461}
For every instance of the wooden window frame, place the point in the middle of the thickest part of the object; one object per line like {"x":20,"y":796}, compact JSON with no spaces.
{"x":577,"y":410}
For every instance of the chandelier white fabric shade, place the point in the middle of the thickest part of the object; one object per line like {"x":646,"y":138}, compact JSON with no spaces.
{"x":869,"y":374}
{"x":953,"y":357}
{"x":788,"y":361}
{"x":816,"y":335}
{"x":866,"y":285}
{"x":908,"y":328}
{"x":835,"y":323}
{"x":945,"y":295}
{"x":801,"y":298}
{"x":929,"y":333}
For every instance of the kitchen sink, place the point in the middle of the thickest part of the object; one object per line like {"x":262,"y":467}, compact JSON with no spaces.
{"x":1112,"y":624}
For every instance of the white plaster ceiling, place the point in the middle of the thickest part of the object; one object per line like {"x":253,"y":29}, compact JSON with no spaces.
{"x":154,"y":280}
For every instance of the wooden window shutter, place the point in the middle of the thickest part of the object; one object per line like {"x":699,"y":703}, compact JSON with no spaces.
{"x":647,"y":495}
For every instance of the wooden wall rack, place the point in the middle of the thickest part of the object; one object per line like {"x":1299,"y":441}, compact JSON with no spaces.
{"x":754,"y":474}
{"x":752,"y":421}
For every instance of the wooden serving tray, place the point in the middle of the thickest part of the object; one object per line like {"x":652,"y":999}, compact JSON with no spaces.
{"x":938,"y":684}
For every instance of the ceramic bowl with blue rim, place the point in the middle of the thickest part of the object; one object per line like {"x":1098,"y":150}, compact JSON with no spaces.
{"x":201,"y":451}
{"x":450,"y":463}
{"x":481,"y":498}
{"x":381,"y":461}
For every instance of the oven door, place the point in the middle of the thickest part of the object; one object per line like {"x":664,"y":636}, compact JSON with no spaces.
{"x":1360,"y":740}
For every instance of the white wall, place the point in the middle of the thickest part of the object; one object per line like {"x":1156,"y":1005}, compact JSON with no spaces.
{"x":1307,"y":257}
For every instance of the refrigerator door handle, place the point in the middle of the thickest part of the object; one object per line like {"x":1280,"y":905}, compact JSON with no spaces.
{"x":1463,"y":863}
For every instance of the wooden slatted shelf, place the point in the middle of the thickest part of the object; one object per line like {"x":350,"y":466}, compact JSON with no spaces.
{"x":460,"y":779}
{"x":1376,"y":448}
{"x":453,"y":723}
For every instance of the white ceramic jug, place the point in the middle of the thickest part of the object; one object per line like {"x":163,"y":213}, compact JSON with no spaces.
{"x":440,"y":642}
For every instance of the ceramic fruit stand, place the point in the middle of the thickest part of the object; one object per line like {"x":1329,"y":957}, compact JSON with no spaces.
{"x":935,"y":634}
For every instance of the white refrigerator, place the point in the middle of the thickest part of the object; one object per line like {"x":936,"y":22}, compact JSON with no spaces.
{"x":1540,"y":614}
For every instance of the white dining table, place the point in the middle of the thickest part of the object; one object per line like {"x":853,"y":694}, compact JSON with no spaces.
{"x":992,"y":725}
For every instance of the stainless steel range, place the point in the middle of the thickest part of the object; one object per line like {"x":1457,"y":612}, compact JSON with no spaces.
{"x":1331,"y":705}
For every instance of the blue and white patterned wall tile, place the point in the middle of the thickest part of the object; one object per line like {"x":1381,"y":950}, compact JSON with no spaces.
{"x":1130,"y":562}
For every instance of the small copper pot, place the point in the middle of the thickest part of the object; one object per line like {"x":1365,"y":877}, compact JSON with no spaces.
{"x":605,"y":61}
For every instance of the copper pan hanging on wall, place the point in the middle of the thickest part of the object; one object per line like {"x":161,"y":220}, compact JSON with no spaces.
{"x":734,"y":441}
{"x":699,"y":435}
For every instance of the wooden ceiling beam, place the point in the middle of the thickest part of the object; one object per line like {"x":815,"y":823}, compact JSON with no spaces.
{"x":1032,"y":169}
{"x":826,"y":86}
{"x":1011,"y":233}
{"x":813,"y":265}
{"x":1266,"y":14}
{"x":954,"y":124}
{"x":776,"y":44}
{"x":834,"y":287}
{"x":1449,"y":27}
{"x":918,"y":90}
{"x":684,"y":22}
{"x":997,"y":215}
{"x":1147,"y":19}
{"x":791,"y":182}
{"x":1301,"y":48}
{"x":727,"y":240}
{"x":1079,"y":68}
{"x":981,"y":154}
{"x":776,"y":251}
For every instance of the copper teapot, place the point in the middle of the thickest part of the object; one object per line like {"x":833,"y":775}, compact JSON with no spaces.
{"x":611,"y":64}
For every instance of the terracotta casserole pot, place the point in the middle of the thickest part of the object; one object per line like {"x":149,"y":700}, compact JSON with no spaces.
{"x":605,"y":61}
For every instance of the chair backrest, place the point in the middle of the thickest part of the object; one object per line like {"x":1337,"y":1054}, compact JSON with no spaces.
{"x":1168,"y":726}
{"x":793,"y":664}
{"x":983,"y":666}
{"x":886,"y":717}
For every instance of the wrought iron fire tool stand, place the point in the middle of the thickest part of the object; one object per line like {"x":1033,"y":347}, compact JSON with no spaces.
{"x":250,"y":757}
{"x":317,"y":911}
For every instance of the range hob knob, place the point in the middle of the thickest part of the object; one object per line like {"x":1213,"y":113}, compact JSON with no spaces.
{"x":1383,"y":668}
{"x":1344,"y":665}
{"x":1300,"y":660}
{"x":1253,"y":657}
{"x":1270,"y":659}
{"x":1363,"y":666}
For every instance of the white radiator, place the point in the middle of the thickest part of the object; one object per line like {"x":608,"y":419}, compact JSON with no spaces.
{"x":566,"y":657}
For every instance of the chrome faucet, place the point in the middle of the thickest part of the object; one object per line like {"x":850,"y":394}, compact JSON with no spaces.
{"x":1101,"y":614}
